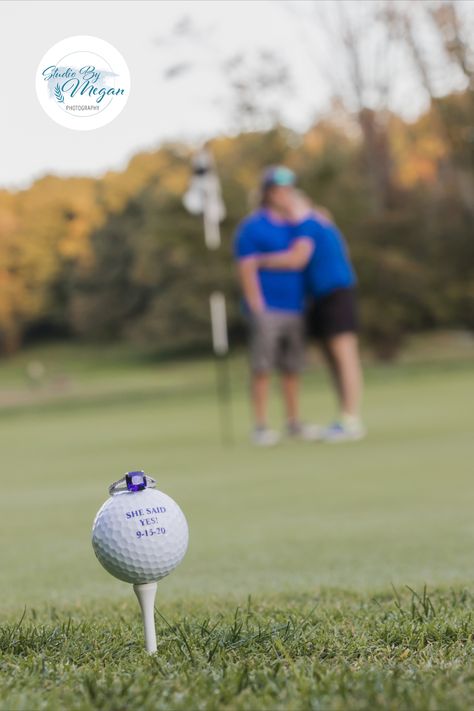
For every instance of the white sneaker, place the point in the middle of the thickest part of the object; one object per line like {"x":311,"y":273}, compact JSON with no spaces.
{"x":345,"y":430}
{"x":264,"y":437}
{"x":306,"y":432}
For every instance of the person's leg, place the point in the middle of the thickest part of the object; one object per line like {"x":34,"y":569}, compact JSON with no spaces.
{"x":331,"y":365}
{"x":290,"y":388}
{"x":262,"y":356}
{"x":344,"y":355}
{"x":290,"y":362}
{"x":262,"y":435}
{"x":290,"y":380}
{"x":260,"y":383}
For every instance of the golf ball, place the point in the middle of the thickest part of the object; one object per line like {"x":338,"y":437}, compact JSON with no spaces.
{"x":140,"y":536}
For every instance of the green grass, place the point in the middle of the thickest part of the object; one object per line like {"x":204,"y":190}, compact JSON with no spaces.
{"x":316,"y":535}
{"x":330,"y":651}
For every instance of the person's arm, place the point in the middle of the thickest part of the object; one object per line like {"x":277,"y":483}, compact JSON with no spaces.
{"x":297,"y":257}
{"x":247,"y":269}
{"x":246,"y":251}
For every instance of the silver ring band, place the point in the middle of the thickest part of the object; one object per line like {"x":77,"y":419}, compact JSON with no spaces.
{"x":132,"y":482}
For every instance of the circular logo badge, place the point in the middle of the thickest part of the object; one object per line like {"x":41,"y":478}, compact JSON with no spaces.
{"x":83,"y":83}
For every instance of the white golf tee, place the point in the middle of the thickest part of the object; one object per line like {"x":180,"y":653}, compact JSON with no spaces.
{"x":146,"y":594}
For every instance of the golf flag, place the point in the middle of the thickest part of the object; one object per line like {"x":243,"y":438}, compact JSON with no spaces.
{"x":204,"y":197}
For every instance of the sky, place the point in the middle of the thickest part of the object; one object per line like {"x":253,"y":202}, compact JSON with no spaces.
{"x":194,"y":106}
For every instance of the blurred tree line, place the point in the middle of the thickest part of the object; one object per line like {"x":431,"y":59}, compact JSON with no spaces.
{"x":118,"y":258}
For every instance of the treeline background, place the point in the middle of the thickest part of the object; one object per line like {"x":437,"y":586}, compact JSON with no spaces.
{"x":117,"y":257}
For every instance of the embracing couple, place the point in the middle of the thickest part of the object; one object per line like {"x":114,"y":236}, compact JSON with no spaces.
{"x":292,"y":262}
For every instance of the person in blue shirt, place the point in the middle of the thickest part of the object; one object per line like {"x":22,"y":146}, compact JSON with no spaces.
{"x":320,"y":250}
{"x":273,"y":302}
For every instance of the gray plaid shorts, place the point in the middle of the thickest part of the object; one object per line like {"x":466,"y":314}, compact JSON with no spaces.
{"x":276,"y":342}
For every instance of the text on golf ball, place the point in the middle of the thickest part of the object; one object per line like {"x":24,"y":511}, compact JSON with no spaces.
{"x":150,"y":532}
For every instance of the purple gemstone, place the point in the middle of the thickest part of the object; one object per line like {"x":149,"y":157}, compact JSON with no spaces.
{"x":136,"y":481}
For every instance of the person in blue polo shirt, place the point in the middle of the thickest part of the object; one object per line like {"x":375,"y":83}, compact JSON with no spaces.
{"x":273,"y":302}
{"x":318,"y":247}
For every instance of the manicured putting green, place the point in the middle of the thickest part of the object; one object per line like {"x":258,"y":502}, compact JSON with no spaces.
{"x":396,"y":508}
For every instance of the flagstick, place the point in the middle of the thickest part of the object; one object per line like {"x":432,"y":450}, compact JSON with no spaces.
{"x":211,"y":229}
{"x":220,"y":345}
{"x":224,"y":398}
{"x":204,"y":197}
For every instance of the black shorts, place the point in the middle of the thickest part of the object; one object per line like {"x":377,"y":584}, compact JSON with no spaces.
{"x":333,"y":314}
